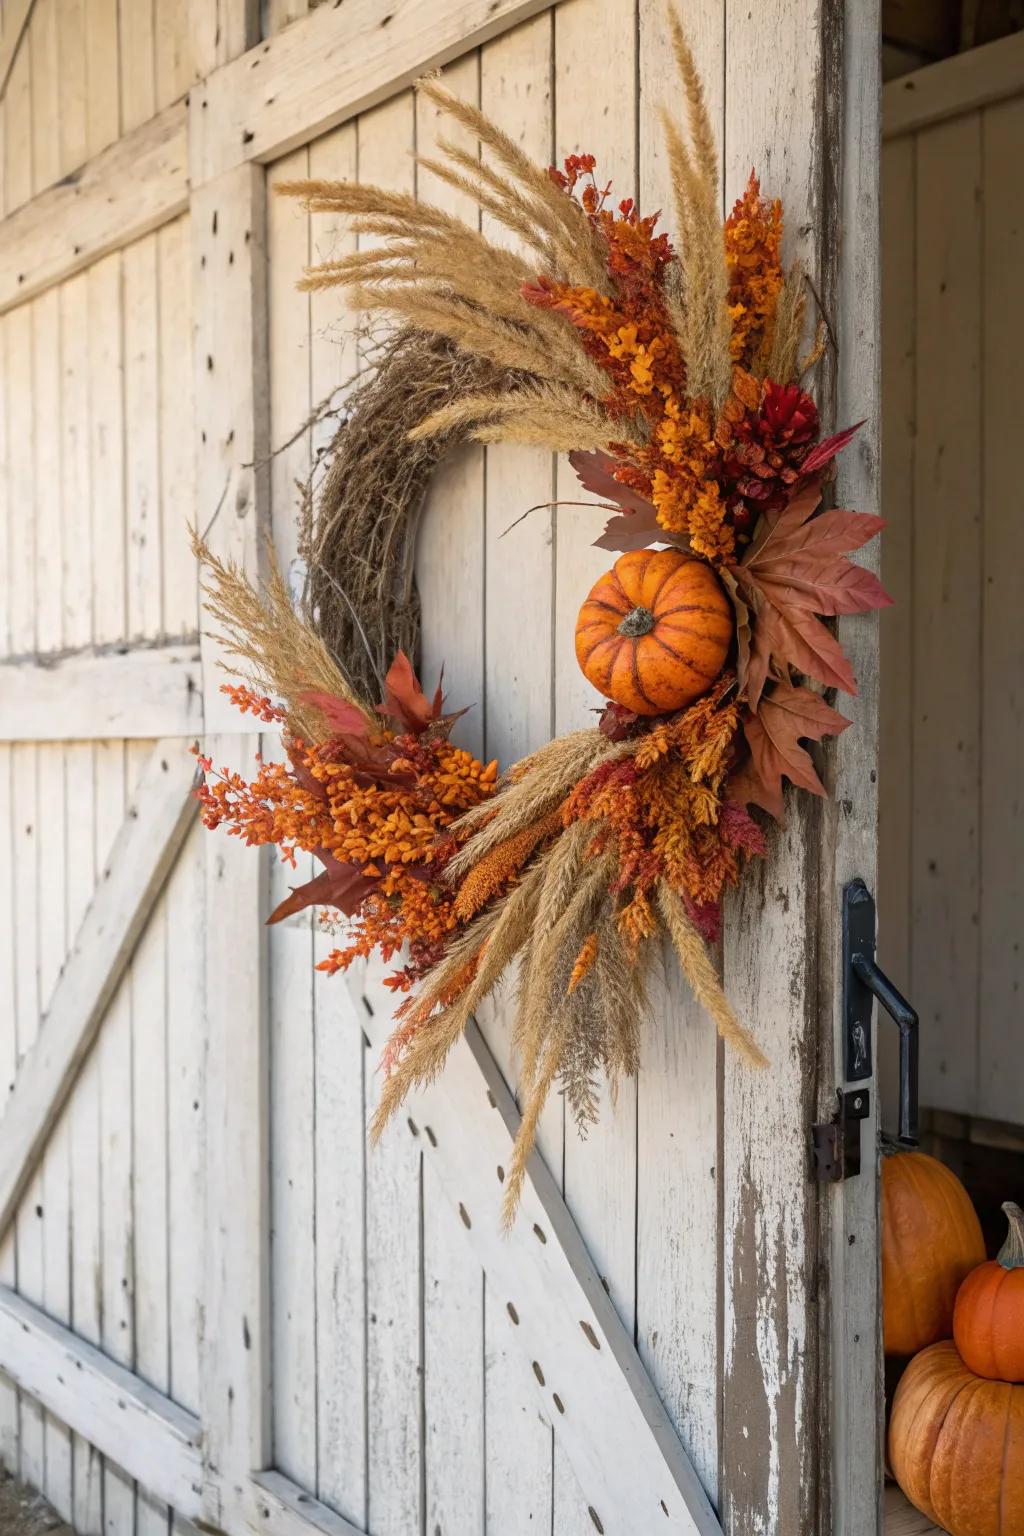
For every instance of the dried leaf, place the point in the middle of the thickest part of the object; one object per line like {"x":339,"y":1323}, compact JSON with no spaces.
{"x":593,"y":470}
{"x":786,"y":716}
{"x":826,"y":450}
{"x":343,"y":886}
{"x":339,"y":714}
{"x":404,"y":699}
{"x":797,"y":567}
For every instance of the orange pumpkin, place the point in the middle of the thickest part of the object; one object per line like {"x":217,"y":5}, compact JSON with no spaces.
{"x":931,"y":1240}
{"x":988,"y":1322}
{"x":655,"y":631}
{"x":956,"y":1445}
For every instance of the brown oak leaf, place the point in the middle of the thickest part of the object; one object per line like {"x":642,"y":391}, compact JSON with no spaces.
{"x":786,"y":716}
{"x":796,"y":568}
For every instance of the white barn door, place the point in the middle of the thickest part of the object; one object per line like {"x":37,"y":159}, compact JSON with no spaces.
{"x":681,"y":1332}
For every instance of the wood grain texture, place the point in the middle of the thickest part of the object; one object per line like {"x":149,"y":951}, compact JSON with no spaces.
{"x":947,"y":611}
{"x":119,"y":195}
{"x":328,"y":68}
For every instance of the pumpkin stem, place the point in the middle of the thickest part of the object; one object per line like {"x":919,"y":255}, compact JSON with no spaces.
{"x":1011,"y":1254}
{"x":638,"y":621}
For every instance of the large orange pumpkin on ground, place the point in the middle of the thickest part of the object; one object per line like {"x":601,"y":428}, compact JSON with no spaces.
{"x":931,"y":1240}
{"x":655,"y":631}
{"x":988,"y":1322}
{"x":956,"y":1445}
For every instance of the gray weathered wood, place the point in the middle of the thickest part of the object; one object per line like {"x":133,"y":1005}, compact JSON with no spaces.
{"x":135,"y":694}
{"x":329,"y":67}
{"x":131,"y":187}
{"x":965,"y":82}
{"x":142,"y":1430}
{"x":158,"y":818}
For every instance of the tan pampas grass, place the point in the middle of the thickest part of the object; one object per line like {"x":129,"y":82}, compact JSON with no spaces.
{"x":276,"y":650}
{"x":506,"y":933}
{"x":700,"y":973}
{"x":701,"y":313}
{"x":524,"y":801}
{"x":502,"y":864}
{"x":555,"y":416}
{"x":783,"y":359}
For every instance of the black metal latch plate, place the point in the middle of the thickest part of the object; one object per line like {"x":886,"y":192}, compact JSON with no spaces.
{"x":836,"y":1143}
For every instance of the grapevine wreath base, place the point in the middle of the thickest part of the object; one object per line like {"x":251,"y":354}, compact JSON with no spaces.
{"x":672,"y":375}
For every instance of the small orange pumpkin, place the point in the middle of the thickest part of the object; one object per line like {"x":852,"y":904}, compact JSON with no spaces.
{"x":655,"y":631}
{"x":988,"y":1322}
{"x":931,"y":1240}
{"x":956,"y":1445}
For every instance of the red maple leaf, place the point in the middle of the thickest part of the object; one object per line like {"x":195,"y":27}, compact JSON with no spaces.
{"x":798,"y":568}
{"x":786,"y":716}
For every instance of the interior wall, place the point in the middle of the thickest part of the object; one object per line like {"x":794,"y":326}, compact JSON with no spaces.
{"x":951,"y":850}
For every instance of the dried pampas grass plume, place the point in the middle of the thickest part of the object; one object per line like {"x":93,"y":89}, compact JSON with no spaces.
{"x":276,"y":650}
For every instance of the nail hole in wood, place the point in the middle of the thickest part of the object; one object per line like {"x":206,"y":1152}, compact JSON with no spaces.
{"x":491,"y":1099}
{"x":664,"y":1507}
{"x":539,"y":1233}
{"x":538,"y":1372}
{"x":501,"y":1174}
{"x":513,"y":1314}
{"x":590,"y":1334}
{"x":592,"y":1512}
{"x":557,"y":1402}
{"x":430,"y":1136}
{"x":465,"y":1216}
{"x":413,"y":1126}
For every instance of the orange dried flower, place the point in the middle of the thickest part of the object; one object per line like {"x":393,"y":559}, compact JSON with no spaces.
{"x":753,"y":240}
{"x":584,"y":961}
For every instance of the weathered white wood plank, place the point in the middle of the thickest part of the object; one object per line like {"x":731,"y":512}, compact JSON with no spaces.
{"x":290,"y":944}
{"x":16,"y":15}
{"x":451,"y":581}
{"x":106,"y":449}
{"x":76,"y":520}
{"x":72,"y":83}
{"x":230,"y":395}
{"x":84,"y":1109}
{"x":142,"y":436}
{"x":228,"y":228}
{"x":103,"y":107}
{"x":184,"y":902}
{"x":281,"y":1508}
{"x":340,"y":1143}
{"x":394,"y":1253}
{"x":770,"y":1467}
{"x":172,"y":49}
{"x":180,"y":606}
{"x":1001,"y":969}
{"x":611,"y":1424}
{"x":123,"y":192}
{"x":147,"y":1434}
{"x":42,"y":48}
{"x":132,"y":694}
{"x":947,"y":613}
{"x":234,"y":1384}
{"x":156,"y":822}
{"x":328,"y":68}
{"x":18,"y":131}
{"x":113,"y":1051}
{"x":967,"y":81}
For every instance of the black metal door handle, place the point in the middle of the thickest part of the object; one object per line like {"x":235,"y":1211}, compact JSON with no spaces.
{"x":865,"y":981}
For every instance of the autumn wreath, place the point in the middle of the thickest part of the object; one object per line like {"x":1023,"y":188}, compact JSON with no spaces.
{"x":672,"y":375}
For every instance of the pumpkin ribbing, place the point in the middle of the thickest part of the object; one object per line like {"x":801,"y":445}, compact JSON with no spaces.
{"x":931,"y":1240}
{"x":988,"y":1322}
{"x":956,"y":1445}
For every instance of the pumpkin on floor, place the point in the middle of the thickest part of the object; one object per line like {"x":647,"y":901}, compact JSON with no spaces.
{"x":655,"y":631}
{"x":988,"y":1321}
{"x":931,"y":1240}
{"x":956,"y":1445}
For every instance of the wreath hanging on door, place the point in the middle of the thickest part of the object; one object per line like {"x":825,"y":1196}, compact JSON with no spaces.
{"x":672,"y":375}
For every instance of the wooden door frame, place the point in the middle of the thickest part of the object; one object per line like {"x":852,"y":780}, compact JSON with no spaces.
{"x":208,"y":155}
